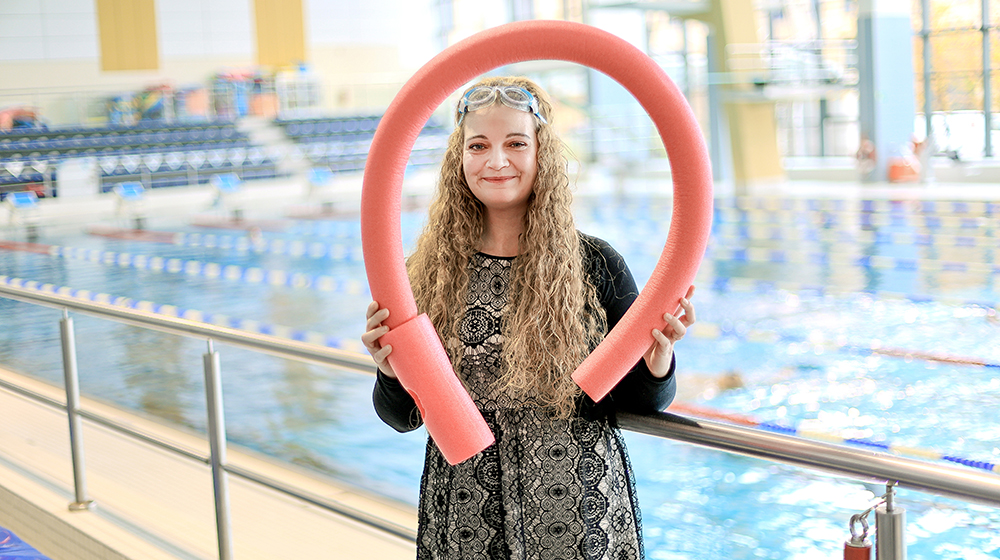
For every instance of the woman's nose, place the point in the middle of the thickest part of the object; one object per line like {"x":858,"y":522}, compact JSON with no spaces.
{"x":497,"y":159}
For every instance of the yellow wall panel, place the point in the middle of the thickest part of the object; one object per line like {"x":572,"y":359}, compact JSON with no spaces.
{"x":753,"y":132}
{"x":128,"y":35}
{"x":280,"y":32}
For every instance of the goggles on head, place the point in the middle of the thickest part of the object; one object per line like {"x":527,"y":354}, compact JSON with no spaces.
{"x":515,"y":97}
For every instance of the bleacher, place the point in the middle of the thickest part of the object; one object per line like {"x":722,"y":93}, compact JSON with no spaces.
{"x":155,"y":154}
{"x":342,"y":143}
{"x":164,"y":154}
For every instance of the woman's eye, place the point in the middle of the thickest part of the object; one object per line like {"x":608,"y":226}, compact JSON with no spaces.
{"x":476,"y":147}
{"x":518,"y":144}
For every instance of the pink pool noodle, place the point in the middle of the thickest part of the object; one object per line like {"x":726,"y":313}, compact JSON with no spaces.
{"x":461,"y":428}
{"x":449,"y":414}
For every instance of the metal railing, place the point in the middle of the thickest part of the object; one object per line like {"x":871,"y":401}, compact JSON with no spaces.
{"x":954,"y":482}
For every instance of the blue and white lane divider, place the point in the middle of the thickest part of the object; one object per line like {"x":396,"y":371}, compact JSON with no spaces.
{"x":736,"y":284}
{"x":799,"y":211}
{"x":354,"y":287}
{"x":217,"y":319}
{"x":214,"y":271}
{"x":714,"y":331}
{"x":834,"y":222}
{"x":802,"y":205}
{"x":882,"y":206}
{"x":881,"y":446}
{"x":781,"y":232}
{"x":990,"y":310}
{"x":255,"y":275}
{"x":782,"y":256}
{"x":339,"y":229}
{"x":803,"y":430}
{"x":278,"y":246}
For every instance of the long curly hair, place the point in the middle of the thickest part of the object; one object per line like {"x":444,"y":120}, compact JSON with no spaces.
{"x":553,"y":318}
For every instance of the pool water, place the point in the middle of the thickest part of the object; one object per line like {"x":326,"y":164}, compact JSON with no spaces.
{"x":794,"y":300}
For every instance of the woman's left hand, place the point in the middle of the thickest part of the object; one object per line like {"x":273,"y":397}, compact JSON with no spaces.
{"x":661,"y":352}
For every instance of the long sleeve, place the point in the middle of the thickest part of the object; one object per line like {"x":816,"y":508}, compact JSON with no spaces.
{"x":394,"y":405}
{"x":639,"y":391}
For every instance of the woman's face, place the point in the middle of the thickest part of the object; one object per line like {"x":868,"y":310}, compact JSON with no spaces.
{"x":500,"y":157}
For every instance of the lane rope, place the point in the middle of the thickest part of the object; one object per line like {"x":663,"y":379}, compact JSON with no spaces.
{"x":884,"y":446}
{"x":217,"y":319}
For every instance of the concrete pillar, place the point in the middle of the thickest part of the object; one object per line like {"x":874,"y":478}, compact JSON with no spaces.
{"x":750,"y":123}
{"x":885,"y":82}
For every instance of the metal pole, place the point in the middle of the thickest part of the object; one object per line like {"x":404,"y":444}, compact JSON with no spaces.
{"x":987,"y":94}
{"x":716,"y":117}
{"x":72,"y":379}
{"x":930,"y":146}
{"x":589,"y":75}
{"x":823,"y":111}
{"x":217,"y":444}
{"x":925,"y":33}
{"x":890,"y":521}
{"x":685,"y":54}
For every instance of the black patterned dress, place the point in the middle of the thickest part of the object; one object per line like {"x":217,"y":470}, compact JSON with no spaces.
{"x":549,"y":488}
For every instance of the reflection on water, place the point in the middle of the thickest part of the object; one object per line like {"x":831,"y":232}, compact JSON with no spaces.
{"x":308,"y":404}
{"x":165,"y":386}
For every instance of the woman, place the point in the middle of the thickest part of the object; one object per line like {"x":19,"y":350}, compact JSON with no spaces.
{"x":519,"y":298}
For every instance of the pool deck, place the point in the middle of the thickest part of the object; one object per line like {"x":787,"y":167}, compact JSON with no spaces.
{"x":151,"y":504}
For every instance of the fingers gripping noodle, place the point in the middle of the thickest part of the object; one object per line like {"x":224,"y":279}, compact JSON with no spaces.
{"x":451,"y":418}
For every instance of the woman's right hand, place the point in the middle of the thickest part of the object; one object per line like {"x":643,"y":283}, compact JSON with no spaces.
{"x":373,"y":332}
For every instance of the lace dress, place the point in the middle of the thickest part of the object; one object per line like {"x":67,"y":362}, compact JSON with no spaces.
{"x":548,"y":488}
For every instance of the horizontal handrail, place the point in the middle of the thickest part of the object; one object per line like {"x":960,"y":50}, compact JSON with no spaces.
{"x":946,"y":480}
{"x":277,"y":346}
{"x":155,"y":441}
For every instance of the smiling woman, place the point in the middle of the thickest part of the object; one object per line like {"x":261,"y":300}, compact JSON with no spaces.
{"x":499,"y":160}
{"x":524,"y":332}
{"x":519,"y":299}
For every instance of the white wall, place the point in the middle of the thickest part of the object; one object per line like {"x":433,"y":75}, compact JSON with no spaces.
{"x":46,"y":30}
{"x":362,"y":51}
{"x":205,"y":28}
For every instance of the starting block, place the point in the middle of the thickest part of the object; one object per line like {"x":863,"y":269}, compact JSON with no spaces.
{"x":334,"y":192}
{"x":22,"y":207}
{"x":131,"y":201}
{"x":228,"y":188}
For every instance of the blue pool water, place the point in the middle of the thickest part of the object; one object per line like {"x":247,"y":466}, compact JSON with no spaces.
{"x":792,"y":298}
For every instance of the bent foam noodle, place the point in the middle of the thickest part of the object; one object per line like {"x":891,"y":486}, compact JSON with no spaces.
{"x":423,"y":367}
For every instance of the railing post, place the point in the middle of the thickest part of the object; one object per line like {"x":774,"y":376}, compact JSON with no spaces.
{"x":890,"y":521}
{"x":217,"y":445}
{"x":72,"y":379}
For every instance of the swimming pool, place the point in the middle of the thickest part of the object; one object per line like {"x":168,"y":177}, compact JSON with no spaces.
{"x":798,"y":302}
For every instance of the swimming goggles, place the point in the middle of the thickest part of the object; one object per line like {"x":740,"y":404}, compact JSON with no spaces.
{"x":515,"y":97}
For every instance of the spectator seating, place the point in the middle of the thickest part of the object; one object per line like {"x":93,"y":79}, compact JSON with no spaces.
{"x":158,"y":155}
{"x":163,"y":155}
{"x":342,"y":143}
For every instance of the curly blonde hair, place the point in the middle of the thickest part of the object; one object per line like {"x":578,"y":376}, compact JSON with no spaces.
{"x":553,"y":319}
